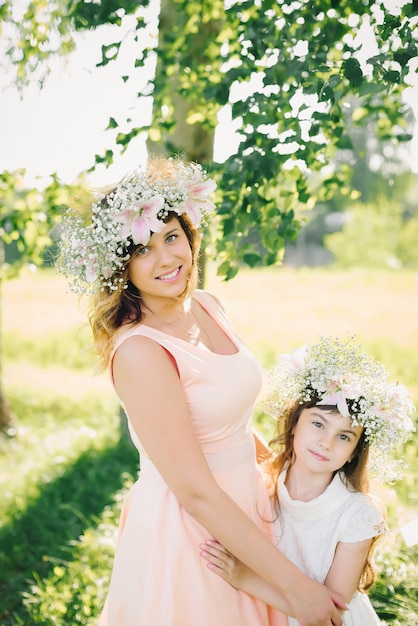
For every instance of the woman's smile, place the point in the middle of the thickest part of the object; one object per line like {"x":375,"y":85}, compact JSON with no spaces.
{"x":169,"y":276}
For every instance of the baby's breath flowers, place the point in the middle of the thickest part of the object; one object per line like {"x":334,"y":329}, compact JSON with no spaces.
{"x":337,"y":373}
{"x":94,"y":251}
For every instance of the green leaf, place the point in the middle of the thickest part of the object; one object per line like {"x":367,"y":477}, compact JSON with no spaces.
{"x":228,"y":226}
{"x":106,"y":159}
{"x":227,"y":271}
{"x":112,"y":123}
{"x":109,"y":53}
{"x":403,"y":56}
{"x":404,"y":138}
{"x":344,"y":143}
{"x":392,"y":76}
{"x":353,"y":72}
{"x":252,"y":259}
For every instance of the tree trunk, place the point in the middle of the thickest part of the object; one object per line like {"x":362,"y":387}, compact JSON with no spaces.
{"x":7,"y":424}
{"x":192,"y":141}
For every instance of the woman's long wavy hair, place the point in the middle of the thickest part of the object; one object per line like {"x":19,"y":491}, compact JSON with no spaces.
{"x":354,"y":473}
{"x":110,"y":310}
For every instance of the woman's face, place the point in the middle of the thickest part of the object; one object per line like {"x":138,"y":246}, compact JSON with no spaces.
{"x":162,"y":267}
{"x":324,"y":440}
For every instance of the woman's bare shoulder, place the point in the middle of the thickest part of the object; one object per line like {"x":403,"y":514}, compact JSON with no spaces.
{"x":201,"y":294}
{"x":138,"y":348}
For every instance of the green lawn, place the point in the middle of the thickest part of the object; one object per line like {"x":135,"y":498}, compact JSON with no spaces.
{"x":64,"y":474}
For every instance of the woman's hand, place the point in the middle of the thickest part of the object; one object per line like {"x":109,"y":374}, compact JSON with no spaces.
{"x":314,"y":604}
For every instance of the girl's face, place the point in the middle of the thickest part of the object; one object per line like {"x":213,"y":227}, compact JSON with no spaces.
{"x":324,"y":440}
{"x":161,"y":268}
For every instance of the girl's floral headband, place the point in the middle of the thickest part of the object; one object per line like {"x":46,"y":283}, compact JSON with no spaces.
{"x":93,"y":255}
{"x":337,"y":373}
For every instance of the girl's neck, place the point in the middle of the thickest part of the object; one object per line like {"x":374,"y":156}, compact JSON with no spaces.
{"x":304,"y":486}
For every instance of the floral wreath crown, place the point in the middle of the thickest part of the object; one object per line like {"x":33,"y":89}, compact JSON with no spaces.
{"x":337,"y":373}
{"x":93,"y":253}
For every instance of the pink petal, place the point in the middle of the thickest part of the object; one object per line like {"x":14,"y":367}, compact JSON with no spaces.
{"x":204,"y":188}
{"x":125,"y":218}
{"x":141,"y":231}
{"x":152,"y":206}
{"x":193,"y":211}
{"x":143,"y":227}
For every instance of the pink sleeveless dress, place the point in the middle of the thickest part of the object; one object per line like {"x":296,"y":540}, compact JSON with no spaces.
{"x":159,"y":578}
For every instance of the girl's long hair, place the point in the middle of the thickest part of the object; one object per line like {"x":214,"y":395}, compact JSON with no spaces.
{"x":353,"y":473}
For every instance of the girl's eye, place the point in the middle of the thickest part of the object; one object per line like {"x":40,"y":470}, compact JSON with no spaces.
{"x":345,"y":437}
{"x":317,"y":424}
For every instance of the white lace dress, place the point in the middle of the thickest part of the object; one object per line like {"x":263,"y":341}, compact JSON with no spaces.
{"x":308,"y":533}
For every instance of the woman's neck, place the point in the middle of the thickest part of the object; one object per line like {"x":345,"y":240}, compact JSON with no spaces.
{"x":167,"y":308}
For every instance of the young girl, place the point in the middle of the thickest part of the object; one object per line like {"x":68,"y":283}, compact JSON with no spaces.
{"x":188,"y":385}
{"x":333,"y":406}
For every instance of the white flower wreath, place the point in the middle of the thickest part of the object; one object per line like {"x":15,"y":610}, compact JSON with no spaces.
{"x":333,"y":372}
{"x":94,"y":253}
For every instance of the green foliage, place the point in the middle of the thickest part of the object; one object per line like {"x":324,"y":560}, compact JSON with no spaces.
{"x":73,"y":468}
{"x":394,"y":593}
{"x":35,"y":31}
{"x":28,"y":216}
{"x":375,"y":236}
{"x":72,"y":593}
{"x":288,"y":71}
{"x":279,"y":148}
{"x":52,"y":350}
{"x":406,"y":247}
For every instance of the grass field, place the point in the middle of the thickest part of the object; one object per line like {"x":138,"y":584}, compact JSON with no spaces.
{"x":64,"y":474}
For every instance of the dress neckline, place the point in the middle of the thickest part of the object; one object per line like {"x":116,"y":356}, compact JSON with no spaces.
{"x":201,"y":346}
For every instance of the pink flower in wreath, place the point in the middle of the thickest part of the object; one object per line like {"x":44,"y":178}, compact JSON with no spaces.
{"x":197,"y":201}
{"x":389,"y":410}
{"x":140,"y":221}
{"x":338,"y":392}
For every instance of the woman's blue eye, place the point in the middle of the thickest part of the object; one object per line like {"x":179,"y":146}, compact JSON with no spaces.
{"x":142,"y":251}
{"x":171,"y":238}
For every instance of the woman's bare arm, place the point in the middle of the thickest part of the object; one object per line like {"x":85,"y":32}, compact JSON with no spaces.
{"x":148,"y":384}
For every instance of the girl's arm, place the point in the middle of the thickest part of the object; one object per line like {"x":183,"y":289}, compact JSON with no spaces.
{"x":241,"y":577}
{"x":150,"y":389}
{"x":343,"y":576}
{"x":347,"y":566}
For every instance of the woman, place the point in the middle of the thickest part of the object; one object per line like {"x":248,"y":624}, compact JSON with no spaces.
{"x":188,"y":386}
